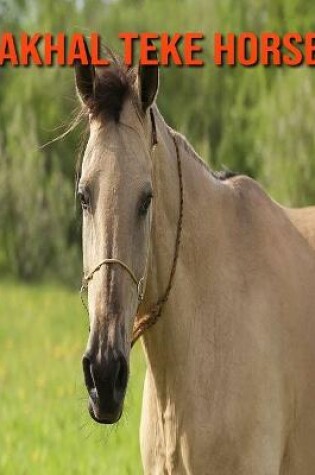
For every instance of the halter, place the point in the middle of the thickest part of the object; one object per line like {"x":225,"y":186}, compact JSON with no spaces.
{"x":142,"y":323}
{"x":139,"y":283}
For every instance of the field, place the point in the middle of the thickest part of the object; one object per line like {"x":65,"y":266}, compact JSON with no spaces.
{"x":44,"y":425}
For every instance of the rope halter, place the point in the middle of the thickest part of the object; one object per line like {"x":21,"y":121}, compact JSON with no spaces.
{"x":142,"y":323}
{"x":139,"y":283}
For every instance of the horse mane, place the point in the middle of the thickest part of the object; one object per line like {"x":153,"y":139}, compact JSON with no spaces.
{"x":221,"y":175}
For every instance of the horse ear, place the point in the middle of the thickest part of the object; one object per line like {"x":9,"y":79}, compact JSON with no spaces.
{"x":85,"y":78}
{"x":148,"y":81}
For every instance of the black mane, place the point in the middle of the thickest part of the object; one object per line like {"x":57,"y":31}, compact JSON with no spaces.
{"x":223,"y":175}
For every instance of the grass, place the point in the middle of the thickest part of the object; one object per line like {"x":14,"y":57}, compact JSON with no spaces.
{"x":44,"y":424}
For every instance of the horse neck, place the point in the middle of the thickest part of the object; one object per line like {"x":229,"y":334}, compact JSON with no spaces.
{"x":166,"y":342}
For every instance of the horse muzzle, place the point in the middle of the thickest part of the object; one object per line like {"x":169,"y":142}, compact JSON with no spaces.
{"x":106,"y":381}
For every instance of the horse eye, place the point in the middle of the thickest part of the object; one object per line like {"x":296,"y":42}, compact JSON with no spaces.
{"x":145,"y":204}
{"x":84,"y":199}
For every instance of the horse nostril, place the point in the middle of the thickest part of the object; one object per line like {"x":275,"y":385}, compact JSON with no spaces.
{"x":107,"y":381}
{"x":121,"y":374}
{"x":87,"y":371}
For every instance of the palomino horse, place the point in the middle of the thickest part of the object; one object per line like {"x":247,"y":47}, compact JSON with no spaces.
{"x":226,"y":274}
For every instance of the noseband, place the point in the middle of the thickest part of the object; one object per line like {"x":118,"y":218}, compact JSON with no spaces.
{"x":142,"y":323}
{"x":139,"y":283}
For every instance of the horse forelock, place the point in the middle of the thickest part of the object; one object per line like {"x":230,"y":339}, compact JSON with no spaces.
{"x":113,"y":86}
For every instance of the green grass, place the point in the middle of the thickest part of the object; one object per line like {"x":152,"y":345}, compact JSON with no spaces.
{"x":44,"y":424}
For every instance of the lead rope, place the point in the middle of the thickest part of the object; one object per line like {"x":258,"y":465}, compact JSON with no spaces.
{"x":145,"y":322}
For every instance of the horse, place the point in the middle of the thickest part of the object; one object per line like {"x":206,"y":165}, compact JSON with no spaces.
{"x":214,"y":276}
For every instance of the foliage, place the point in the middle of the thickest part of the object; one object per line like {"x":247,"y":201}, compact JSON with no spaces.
{"x":257,"y":121}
